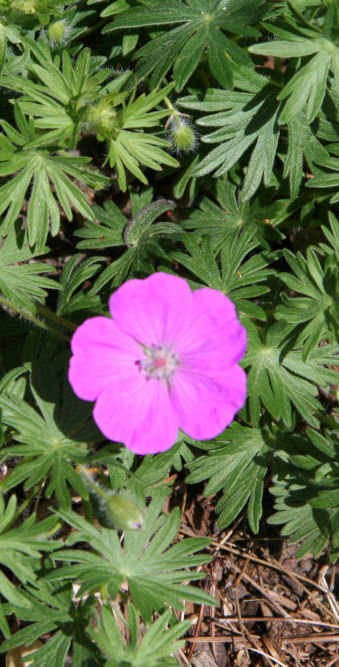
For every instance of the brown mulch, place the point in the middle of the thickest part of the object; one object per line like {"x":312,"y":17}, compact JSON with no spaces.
{"x":273,"y":609}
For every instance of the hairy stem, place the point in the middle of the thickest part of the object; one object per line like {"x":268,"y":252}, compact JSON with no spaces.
{"x":35,"y":320}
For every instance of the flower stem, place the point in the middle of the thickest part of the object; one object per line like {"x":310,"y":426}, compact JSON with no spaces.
{"x":169,"y":104}
{"x":96,"y":488}
{"x":49,"y":315}
{"x":175,"y":114}
{"x":26,"y":502}
{"x":35,"y":320}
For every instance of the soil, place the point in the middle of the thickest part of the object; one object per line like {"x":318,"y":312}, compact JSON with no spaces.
{"x":273,"y":609}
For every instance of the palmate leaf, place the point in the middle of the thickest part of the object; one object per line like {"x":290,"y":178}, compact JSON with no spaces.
{"x":59,"y":93}
{"x":278,"y":381}
{"x":323,"y":173}
{"x":250,"y":120}
{"x":52,"y":438}
{"x":231,"y":214}
{"x":243,"y":118}
{"x":314,"y":315}
{"x":306,"y":490}
{"x":130,"y":147}
{"x":332,"y":236}
{"x":68,"y":100}
{"x":236,"y":463}
{"x":202,"y":28}
{"x":157,"y":646}
{"x":155,"y":468}
{"x":51,"y":610}
{"x":106,"y":232}
{"x":8,"y":33}
{"x":21,"y":281}
{"x":40,"y":169}
{"x":153,"y":570}
{"x":131,"y":150}
{"x":235,"y":274}
{"x":20,"y":549}
{"x":306,"y":89}
{"x":73,"y":296}
{"x":141,"y":234}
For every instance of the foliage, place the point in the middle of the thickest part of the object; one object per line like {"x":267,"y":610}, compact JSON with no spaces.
{"x":153,"y":569}
{"x":157,"y":644}
{"x":21,"y":281}
{"x":40,"y":169}
{"x":306,"y":490}
{"x":91,"y":195}
{"x":236,"y":463}
{"x":50,"y":437}
{"x":203,"y":26}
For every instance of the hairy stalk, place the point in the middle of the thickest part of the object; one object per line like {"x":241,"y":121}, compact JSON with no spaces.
{"x":35,"y":320}
{"x":26,"y":502}
{"x":53,"y":317}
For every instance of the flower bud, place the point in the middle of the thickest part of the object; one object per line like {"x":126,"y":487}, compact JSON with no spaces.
{"x":25,"y":6}
{"x":182,"y":135}
{"x":57,"y":32}
{"x":102,"y":118}
{"x":124,"y":513}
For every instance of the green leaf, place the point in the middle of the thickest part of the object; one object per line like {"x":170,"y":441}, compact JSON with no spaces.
{"x":306,"y":89}
{"x":261,"y":164}
{"x":158,"y":643}
{"x":201,"y":29}
{"x":41,"y":169}
{"x":245,"y":119}
{"x":235,"y":463}
{"x":20,"y":549}
{"x":130,"y":150}
{"x":302,"y":145}
{"x":20,"y":280}
{"x":54,"y":612}
{"x":237,"y":276}
{"x":59,"y":93}
{"x":305,"y":490}
{"x":142,"y":236}
{"x":52,"y":438}
{"x":284,"y":48}
{"x":277,"y":382}
{"x":76,"y":273}
{"x":106,"y":231}
{"x":153,"y":569}
{"x":314,"y":316}
{"x":232,"y":214}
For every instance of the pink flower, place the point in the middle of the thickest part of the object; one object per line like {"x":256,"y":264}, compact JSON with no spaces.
{"x":167,"y":360}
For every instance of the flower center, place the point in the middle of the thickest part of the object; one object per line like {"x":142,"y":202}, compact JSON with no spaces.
{"x":159,"y":362}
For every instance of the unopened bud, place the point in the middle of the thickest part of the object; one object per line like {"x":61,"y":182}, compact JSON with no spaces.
{"x":124,"y":513}
{"x":102,"y":118}
{"x":25,"y":6}
{"x":57,"y":32}
{"x":117,"y":509}
{"x":182,"y":135}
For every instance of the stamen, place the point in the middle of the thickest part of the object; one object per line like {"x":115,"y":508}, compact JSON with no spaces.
{"x":159,"y":362}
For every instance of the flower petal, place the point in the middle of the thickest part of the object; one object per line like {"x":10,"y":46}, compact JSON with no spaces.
{"x":217,"y":340}
{"x":101,"y":352}
{"x":155,"y":311}
{"x":205,"y":406}
{"x":138,"y":413}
